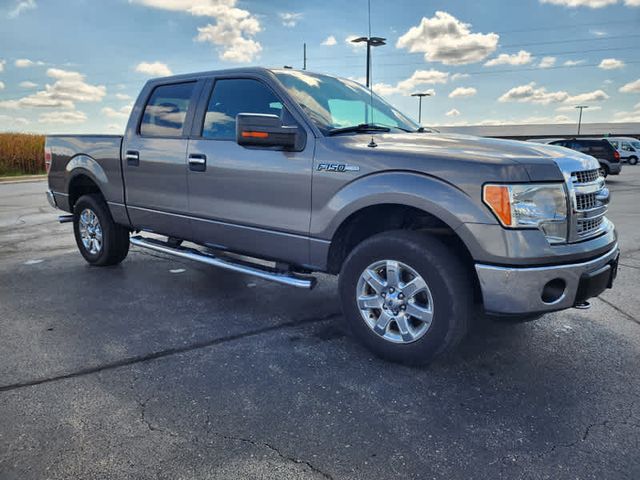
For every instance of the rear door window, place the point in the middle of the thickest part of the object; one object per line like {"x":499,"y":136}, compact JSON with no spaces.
{"x":166,"y":111}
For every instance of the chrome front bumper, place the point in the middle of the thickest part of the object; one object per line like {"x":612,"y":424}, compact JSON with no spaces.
{"x":513,"y":291}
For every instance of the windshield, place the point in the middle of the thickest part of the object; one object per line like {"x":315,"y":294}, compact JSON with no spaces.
{"x":636,"y":145}
{"x":334,"y":103}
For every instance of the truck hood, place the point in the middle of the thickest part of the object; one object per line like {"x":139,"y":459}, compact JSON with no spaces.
{"x":541,"y":161}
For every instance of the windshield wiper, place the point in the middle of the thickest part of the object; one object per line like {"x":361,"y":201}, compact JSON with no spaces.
{"x":362,"y":128}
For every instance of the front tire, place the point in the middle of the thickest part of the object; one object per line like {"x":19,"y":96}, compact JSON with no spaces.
{"x":406,"y":296}
{"x":633,"y":160}
{"x":100,"y":240}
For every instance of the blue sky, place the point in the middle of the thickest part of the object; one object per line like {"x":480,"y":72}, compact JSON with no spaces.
{"x":77,"y":65}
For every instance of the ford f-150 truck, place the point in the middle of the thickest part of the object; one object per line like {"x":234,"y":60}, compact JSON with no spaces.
{"x":281,"y":173}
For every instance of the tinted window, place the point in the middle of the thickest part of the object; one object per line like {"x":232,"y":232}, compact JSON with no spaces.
{"x":166,"y":110}
{"x":234,"y":96}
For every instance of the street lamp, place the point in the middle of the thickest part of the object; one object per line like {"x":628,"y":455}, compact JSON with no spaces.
{"x":580,"y":107}
{"x":371,"y":42}
{"x":420,"y":95}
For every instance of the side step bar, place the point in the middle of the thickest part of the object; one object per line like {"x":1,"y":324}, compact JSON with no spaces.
{"x":65,"y":218}
{"x":257,"y":271}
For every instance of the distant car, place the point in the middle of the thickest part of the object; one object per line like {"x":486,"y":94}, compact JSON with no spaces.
{"x":627,"y":147}
{"x":602,"y":150}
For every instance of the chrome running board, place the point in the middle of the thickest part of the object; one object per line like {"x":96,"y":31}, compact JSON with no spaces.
{"x":259,"y":271}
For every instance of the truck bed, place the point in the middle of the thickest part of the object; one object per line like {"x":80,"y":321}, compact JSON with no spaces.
{"x":96,"y":156}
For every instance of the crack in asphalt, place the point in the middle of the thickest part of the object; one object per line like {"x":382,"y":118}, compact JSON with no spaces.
{"x":268,"y":446}
{"x":619,"y":310}
{"x":166,"y":353}
{"x":150,"y":426}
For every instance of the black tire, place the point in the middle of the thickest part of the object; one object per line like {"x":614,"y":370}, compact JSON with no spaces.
{"x":633,"y":160}
{"x":115,"y":238}
{"x":447,"y":278}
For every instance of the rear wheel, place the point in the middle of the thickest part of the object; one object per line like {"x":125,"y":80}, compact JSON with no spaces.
{"x":100,"y":240}
{"x":406,"y":296}
{"x":633,"y":160}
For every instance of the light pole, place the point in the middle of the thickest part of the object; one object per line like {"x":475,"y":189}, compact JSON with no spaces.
{"x":580,"y":107}
{"x":371,"y":42}
{"x":420,"y":96}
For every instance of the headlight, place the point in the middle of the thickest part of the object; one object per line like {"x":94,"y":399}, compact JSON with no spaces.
{"x":542,"y":206}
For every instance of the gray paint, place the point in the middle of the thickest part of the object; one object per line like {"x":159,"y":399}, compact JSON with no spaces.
{"x":278,"y":205}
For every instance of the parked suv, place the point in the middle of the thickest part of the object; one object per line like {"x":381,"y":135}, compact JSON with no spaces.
{"x":627,"y":147}
{"x":602,"y":150}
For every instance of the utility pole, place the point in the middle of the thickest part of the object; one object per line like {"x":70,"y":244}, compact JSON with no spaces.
{"x":420,"y":96}
{"x":304,"y":56}
{"x":580,"y":107}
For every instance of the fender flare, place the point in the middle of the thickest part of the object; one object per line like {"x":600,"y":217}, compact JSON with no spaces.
{"x":432,"y":195}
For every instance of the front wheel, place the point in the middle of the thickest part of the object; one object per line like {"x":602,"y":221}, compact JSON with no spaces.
{"x":604,"y":171}
{"x":633,"y":160}
{"x":406,"y":296}
{"x":100,"y":240}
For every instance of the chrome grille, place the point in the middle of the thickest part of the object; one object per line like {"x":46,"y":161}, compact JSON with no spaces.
{"x":586,"y":201}
{"x":589,"y":200}
{"x":586,"y":176}
{"x":585,"y":227}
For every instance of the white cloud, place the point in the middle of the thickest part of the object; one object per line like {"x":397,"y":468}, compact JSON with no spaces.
{"x":115,"y":127}
{"x":632,"y":3}
{"x":581,"y":3}
{"x":463,"y":92}
{"x":122,"y":96}
{"x":408,"y":85}
{"x":14,"y":120}
{"x":459,"y":76}
{"x":155,"y":69}
{"x":290,"y":19}
{"x":521,"y":58}
{"x":595,"y":96}
{"x":547,"y":62}
{"x":631,"y":87}
{"x":63,"y":117}
{"x":330,"y":41}
{"x":121,"y":113}
{"x":2,"y":64}
{"x":233,"y":30}
{"x":1,"y":85}
{"x":69,"y":87}
{"x":531,"y":93}
{"x":22,"y":6}
{"x":28,"y":84}
{"x":444,"y":38}
{"x":26,"y":63}
{"x":573,"y":63}
{"x":611,"y":64}
{"x":452,"y":113}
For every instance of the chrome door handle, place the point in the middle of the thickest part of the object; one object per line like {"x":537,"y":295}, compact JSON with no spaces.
{"x":197,"y":162}
{"x":133,"y":158}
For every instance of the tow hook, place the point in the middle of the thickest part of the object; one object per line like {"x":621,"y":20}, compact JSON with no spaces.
{"x":582,"y":306}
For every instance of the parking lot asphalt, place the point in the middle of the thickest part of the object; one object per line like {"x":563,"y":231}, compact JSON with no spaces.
{"x":163,"y":368}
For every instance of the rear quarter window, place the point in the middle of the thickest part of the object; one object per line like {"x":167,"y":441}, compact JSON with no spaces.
{"x":166,"y":110}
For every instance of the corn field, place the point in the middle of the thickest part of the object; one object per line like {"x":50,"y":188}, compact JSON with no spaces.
{"x":21,"y":154}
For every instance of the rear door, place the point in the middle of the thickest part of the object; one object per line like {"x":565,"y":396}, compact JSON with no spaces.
{"x":250,"y":200}
{"x":154,"y":159}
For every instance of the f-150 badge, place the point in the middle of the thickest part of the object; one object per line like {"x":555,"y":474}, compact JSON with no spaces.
{"x":338,"y":167}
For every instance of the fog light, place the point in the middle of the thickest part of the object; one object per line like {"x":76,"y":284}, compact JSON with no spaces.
{"x":553,"y":290}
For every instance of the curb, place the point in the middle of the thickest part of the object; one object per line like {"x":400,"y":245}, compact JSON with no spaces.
{"x":22,"y":179}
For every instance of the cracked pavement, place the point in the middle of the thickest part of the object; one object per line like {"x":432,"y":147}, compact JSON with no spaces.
{"x":162,"y":368}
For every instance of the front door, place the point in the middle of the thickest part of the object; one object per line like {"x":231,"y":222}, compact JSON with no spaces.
{"x":154,"y":162}
{"x":249,"y":200}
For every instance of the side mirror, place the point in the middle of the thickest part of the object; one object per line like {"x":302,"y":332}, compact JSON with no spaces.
{"x":264,"y":130}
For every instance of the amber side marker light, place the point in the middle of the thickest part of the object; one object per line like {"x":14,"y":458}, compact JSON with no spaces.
{"x":498,"y":199}
{"x":255,"y":134}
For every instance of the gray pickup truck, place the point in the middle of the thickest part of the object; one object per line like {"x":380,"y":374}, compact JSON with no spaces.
{"x":280,"y":173}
